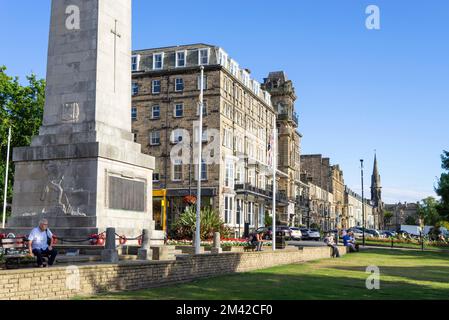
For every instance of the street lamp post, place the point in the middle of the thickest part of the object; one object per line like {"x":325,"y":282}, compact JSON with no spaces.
{"x":200,"y":163}
{"x":363,"y":205}
{"x":6,"y":179}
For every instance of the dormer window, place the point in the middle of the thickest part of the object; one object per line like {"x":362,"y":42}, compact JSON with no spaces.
{"x":203,"y":56}
{"x":180,"y":59}
{"x":135,"y":60}
{"x":223,"y":58}
{"x":158,"y":61}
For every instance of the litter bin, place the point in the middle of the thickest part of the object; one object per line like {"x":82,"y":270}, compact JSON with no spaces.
{"x":280,"y":240}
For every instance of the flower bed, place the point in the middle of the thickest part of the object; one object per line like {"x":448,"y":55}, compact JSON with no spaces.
{"x":406,"y":241}
{"x":208,"y":244}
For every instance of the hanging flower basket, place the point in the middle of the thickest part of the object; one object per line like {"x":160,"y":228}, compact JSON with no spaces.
{"x":190,"y":200}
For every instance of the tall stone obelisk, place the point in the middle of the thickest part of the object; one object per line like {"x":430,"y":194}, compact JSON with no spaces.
{"x":83,"y":172}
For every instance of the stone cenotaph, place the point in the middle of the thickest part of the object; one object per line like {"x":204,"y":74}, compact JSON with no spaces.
{"x":83,"y":172}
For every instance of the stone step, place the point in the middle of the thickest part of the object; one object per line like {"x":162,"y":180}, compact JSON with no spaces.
{"x":62,"y":259}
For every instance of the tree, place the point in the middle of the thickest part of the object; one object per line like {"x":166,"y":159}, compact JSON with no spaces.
{"x":21,"y":108}
{"x":428,"y":212}
{"x":387,"y":217}
{"x":442,"y":188}
{"x":411,"y":220}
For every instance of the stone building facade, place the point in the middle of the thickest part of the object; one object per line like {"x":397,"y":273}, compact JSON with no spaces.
{"x":283,"y":99}
{"x":317,"y":171}
{"x":238,"y":121}
{"x":400,"y":213}
{"x":354,"y":206}
{"x":332,"y":203}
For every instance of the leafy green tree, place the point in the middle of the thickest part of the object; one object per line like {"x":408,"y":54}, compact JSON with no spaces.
{"x":21,"y":108}
{"x":387,"y":216}
{"x":428,"y":212}
{"x":268,"y":220}
{"x":442,"y":188}
{"x":411,"y":220}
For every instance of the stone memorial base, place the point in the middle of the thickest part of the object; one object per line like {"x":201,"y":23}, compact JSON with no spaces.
{"x":82,"y":188}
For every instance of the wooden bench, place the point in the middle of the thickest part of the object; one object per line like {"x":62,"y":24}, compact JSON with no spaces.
{"x":15,"y":252}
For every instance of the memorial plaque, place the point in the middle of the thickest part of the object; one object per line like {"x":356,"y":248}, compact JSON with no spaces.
{"x":125,"y":194}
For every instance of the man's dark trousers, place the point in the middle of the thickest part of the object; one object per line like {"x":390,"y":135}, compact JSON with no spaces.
{"x":39,"y":253}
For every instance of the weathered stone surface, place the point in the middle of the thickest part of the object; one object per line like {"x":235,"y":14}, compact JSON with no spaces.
{"x":85,"y":141}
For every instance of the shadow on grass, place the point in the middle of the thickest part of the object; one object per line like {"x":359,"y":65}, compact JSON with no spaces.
{"x":269,"y":286}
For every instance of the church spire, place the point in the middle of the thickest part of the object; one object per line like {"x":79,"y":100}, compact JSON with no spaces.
{"x":376,"y":188}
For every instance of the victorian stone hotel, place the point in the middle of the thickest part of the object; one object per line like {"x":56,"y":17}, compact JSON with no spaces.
{"x":238,"y":119}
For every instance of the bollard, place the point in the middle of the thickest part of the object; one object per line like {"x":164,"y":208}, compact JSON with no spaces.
{"x":145,"y":252}
{"x":216,"y":249}
{"x":110,"y":253}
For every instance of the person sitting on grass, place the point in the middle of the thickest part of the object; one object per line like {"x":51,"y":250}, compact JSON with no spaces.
{"x":40,"y":243}
{"x":329,"y":240}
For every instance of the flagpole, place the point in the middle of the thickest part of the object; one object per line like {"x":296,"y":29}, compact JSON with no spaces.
{"x":6,"y":179}
{"x":274,"y":162}
{"x":200,"y":162}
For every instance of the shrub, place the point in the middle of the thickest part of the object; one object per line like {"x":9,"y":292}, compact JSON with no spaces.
{"x":184,"y":226}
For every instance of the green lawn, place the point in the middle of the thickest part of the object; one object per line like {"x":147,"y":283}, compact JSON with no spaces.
{"x":404,"y":275}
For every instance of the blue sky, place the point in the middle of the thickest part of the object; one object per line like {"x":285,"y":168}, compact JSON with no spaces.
{"x":358,"y":89}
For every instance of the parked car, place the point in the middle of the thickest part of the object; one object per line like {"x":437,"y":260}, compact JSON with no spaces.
{"x":286,"y":232}
{"x":310,"y":234}
{"x":388,"y":234}
{"x":296,"y":233}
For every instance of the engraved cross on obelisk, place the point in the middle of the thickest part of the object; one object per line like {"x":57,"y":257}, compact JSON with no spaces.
{"x":116,"y":34}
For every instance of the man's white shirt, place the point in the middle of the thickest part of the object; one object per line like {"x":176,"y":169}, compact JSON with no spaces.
{"x":39,"y":238}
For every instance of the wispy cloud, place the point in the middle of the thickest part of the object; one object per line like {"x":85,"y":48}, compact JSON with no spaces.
{"x":394,"y":195}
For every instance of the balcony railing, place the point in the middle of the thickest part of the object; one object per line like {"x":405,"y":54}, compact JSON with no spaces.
{"x":289,"y":116}
{"x":267,"y":192}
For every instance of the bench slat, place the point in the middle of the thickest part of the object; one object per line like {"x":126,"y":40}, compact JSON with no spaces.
{"x":8,"y":241}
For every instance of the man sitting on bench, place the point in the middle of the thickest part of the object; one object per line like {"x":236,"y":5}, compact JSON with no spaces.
{"x":40,"y":244}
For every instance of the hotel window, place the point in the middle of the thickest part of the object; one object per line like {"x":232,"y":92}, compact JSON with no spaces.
{"x":250,"y":213}
{"x":179,"y":110}
{"x":228,"y":210}
{"x":179,"y":84}
{"x":177,"y":170}
{"x":177,"y":136}
{"x":227,"y":138}
{"x":156,"y":86}
{"x":223,"y":58}
{"x":134,"y":113}
{"x":203,"y":170}
{"x":204,"y":83}
{"x":229,"y":174}
{"x":135,"y":88}
{"x":261,"y":217}
{"x":180,"y":59}
{"x":204,"y":109}
{"x":155,"y":138}
{"x":239,"y":208}
{"x":156,"y":177}
{"x":158,"y":61}
{"x":240,"y":174}
{"x":155,"y":112}
{"x":135,"y":59}
{"x":204,"y":135}
{"x":251,"y":177}
{"x":203,"y":56}
{"x":256,"y":87}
